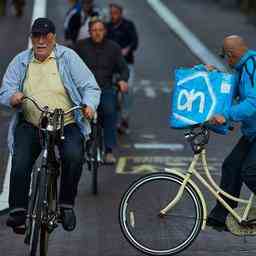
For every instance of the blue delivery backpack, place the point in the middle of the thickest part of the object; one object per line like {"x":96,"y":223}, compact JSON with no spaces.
{"x":198,"y":94}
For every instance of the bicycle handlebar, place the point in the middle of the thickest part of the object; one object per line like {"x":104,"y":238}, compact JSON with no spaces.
{"x":46,"y":109}
{"x":55,"y":118}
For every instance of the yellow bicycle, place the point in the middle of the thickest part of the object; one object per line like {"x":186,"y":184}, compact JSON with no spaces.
{"x":163,"y":213}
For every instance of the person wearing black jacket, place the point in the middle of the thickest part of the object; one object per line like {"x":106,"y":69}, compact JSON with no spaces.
{"x":77,"y":20}
{"x":104,"y":59}
{"x":123,"y":32}
{"x":72,"y":22}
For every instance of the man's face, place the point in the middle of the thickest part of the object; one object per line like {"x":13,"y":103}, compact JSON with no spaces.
{"x":229,"y":56}
{"x":43,"y":45}
{"x":97,"y":32}
{"x":115,"y":14}
{"x":87,"y":6}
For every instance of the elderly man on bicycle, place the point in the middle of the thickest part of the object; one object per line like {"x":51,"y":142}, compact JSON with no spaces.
{"x":55,"y":76}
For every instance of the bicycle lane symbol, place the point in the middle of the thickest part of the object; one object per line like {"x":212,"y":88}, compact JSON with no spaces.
{"x":149,"y":164}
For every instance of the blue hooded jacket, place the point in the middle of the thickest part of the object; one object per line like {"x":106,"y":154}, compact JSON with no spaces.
{"x":245,"y":109}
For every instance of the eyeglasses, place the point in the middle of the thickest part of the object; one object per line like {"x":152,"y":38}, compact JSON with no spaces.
{"x":224,"y":54}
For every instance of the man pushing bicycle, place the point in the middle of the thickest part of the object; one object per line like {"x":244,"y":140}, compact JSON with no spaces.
{"x":240,"y":165}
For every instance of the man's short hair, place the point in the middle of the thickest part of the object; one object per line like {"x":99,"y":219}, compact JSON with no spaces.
{"x":117,"y":6}
{"x":95,"y":20}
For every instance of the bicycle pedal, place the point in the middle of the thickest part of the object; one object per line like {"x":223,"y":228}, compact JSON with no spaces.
{"x":247,"y":229}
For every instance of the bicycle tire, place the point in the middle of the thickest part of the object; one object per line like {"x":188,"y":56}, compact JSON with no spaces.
{"x":97,"y":149}
{"x":37,"y":212}
{"x":94,"y":169}
{"x":141,"y":223}
{"x":31,"y":205}
{"x":51,"y":208}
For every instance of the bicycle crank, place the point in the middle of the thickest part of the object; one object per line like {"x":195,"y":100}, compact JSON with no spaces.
{"x":247,"y":228}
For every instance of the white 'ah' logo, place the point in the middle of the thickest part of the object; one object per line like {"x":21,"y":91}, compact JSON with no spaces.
{"x":191,"y":96}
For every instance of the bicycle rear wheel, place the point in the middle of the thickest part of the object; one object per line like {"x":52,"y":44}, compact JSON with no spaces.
{"x":151,"y":233}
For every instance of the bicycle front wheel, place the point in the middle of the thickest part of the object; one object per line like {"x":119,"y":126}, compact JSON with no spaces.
{"x":37,"y":198}
{"x":144,"y":227}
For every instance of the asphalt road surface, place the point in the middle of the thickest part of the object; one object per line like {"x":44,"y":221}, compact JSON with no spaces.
{"x":151,"y":142}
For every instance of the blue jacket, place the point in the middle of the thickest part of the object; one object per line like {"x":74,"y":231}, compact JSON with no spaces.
{"x":76,"y":77}
{"x":245,"y":109}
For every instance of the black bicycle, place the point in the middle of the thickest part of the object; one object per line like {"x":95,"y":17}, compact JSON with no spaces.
{"x":95,"y":151}
{"x":43,"y":210}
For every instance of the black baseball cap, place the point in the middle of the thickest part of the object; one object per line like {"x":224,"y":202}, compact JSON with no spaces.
{"x":43,"y":26}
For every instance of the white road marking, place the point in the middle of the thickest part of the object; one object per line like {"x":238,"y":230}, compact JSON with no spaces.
{"x":150,"y":92}
{"x":147,"y":164}
{"x":5,"y":193}
{"x":192,"y":42}
{"x":39,"y":10}
{"x":148,"y":136}
{"x":152,"y":89}
{"x":172,"y":146}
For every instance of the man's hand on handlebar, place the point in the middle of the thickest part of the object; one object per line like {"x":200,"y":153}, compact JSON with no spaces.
{"x":88,"y":112}
{"x":217,"y":119}
{"x":123,"y":86}
{"x":16,"y":99}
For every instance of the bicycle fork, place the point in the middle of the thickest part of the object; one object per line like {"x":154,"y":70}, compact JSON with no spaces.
{"x":181,"y":189}
{"x":177,"y":197}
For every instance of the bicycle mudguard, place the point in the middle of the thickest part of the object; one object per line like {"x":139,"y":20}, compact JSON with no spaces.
{"x":193,"y":184}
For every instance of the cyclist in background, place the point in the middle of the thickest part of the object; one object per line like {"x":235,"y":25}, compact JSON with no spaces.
{"x":123,"y":32}
{"x":72,"y":22}
{"x":104,"y":58}
{"x":19,"y":7}
{"x":55,"y":76}
{"x":89,"y":11}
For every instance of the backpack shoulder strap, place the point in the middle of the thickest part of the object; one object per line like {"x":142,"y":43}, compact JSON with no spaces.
{"x":251,"y":75}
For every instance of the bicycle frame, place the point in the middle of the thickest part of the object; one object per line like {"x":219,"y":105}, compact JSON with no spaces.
{"x":211,"y":185}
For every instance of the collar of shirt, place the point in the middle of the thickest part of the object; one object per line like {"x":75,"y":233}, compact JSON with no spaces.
{"x":51,"y":56}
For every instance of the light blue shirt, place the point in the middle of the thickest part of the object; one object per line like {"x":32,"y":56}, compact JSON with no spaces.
{"x":77,"y":79}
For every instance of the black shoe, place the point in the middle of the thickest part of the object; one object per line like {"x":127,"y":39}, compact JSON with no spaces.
{"x":16,"y":221}
{"x":68,"y":218}
{"x":216,"y":224}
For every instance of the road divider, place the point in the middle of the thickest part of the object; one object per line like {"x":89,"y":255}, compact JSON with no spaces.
{"x":191,"y":41}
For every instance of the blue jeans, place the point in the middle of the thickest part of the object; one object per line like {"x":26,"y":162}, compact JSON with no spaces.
{"x":238,"y":168}
{"x":108,"y":114}
{"x":127,"y":98}
{"x":27,"y":149}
